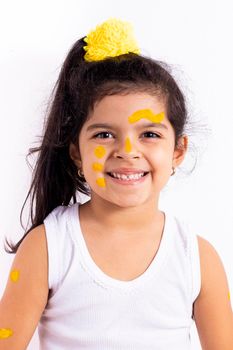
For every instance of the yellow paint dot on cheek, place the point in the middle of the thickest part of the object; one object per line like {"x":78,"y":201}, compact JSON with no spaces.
{"x":97,"y":166}
{"x":128,"y":146}
{"x":14,"y":275}
{"x":101,"y":182}
{"x":5,"y":333}
{"x":99,"y":151}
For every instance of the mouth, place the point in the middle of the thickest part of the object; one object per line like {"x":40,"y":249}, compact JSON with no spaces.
{"x":127,"y":176}
{"x":128,"y":179}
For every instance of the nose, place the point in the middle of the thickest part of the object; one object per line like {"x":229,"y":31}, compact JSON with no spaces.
{"x":127,"y":150}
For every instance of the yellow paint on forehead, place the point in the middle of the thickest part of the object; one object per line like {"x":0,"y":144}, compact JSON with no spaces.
{"x":147,"y":114}
{"x":99,"y":151}
{"x":128,"y":145}
{"x":97,"y":167}
{"x":101,"y":181}
{"x":5,"y":333}
{"x":14,"y":275}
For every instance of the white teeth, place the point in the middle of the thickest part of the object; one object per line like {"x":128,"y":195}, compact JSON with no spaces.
{"x":127,"y":177}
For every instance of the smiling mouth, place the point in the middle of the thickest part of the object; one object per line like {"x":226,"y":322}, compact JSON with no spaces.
{"x":128,"y":176}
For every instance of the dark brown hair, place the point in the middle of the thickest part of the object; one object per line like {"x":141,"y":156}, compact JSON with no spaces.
{"x":80,"y":84}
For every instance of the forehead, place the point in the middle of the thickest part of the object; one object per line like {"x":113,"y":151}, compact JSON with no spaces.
{"x":118,"y":108}
{"x":128,"y":104}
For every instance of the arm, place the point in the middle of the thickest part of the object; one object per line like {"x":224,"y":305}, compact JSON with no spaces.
{"x":26,"y":294}
{"x":212,"y":309}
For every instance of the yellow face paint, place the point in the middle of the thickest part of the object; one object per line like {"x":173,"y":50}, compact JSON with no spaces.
{"x":14,"y":275}
{"x":99,"y":151}
{"x":101,"y":181}
{"x":229,"y":295}
{"x":147,"y":114}
{"x":5,"y":333}
{"x":128,"y":146}
{"x":97,"y":166}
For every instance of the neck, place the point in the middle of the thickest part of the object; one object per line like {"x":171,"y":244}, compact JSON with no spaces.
{"x":126,"y":220}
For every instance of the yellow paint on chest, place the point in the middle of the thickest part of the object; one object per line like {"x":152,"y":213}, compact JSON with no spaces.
{"x":5,"y":333}
{"x":147,"y":114}
{"x":14,"y":275}
{"x":99,"y":151}
{"x":101,"y":181}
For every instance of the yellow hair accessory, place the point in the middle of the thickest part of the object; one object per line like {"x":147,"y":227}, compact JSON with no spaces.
{"x":111,"y":38}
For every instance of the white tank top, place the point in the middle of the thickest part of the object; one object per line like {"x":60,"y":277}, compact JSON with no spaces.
{"x":87,"y":309}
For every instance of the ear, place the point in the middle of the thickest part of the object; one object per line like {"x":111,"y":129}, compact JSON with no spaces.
{"x":75,"y":154}
{"x":180,"y":150}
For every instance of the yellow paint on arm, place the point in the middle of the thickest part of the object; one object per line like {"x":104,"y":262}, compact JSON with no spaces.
{"x":5,"y":333}
{"x":128,"y":146}
{"x":14,"y":275}
{"x":101,"y":181}
{"x":147,"y":114}
{"x":99,"y":151}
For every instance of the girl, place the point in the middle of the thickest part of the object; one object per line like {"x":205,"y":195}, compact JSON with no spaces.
{"x":114,"y":272}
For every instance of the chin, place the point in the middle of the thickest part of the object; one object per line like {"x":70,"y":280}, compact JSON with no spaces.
{"x":127,"y":202}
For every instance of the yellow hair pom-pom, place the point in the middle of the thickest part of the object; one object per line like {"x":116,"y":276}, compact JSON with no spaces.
{"x":111,"y":38}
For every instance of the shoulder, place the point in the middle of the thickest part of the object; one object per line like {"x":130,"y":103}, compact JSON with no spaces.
{"x":31,"y":260}
{"x":212,"y":309}
{"x":31,"y":264}
{"x":36,"y":235}
{"x":32,"y":254}
{"x":212,"y":269}
{"x":211,"y":265}
{"x":34,"y":244}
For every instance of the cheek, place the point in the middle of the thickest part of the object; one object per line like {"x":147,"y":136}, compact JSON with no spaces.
{"x":162,"y":157}
{"x":99,"y":156}
{"x":100,"y":181}
{"x":96,"y":166}
{"x":97,"y":161}
{"x":99,"y":151}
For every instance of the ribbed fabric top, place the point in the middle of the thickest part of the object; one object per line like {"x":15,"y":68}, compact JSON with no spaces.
{"x":87,"y":309}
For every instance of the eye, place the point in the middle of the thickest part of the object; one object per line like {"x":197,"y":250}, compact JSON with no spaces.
{"x":154,"y":135}
{"x":100,"y":134}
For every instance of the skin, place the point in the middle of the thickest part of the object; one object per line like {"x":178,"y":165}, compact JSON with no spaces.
{"x":148,"y":114}
{"x":23,"y":302}
{"x":99,"y":152}
{"x":128,"y":207}
{"x":14,"y":275}
{"x":5,"y":333}
{"x":128,"y":145}
{"x":136,"y":116}
{"x":97,"y":166}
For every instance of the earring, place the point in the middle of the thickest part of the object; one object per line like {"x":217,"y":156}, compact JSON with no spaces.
{"x":80,"y":173}
{"x":173,"y":171}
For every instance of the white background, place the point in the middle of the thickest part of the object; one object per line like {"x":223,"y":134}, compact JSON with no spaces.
{"x":193,"y":36}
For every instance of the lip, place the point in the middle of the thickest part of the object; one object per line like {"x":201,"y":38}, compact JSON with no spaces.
{"x":127,"y":171}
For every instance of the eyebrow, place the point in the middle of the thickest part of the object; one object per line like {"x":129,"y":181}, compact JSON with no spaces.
{"x":108,"y":126}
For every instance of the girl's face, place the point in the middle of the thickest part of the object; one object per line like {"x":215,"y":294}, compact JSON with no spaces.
{"x":134,"y":136}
